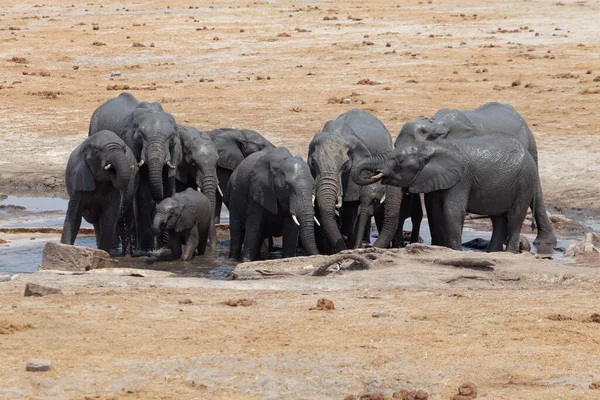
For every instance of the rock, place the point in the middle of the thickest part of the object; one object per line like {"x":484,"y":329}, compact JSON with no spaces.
{"x":115,"y":73}
{"x":421,"y":395}
{"x":380,"y":314}
{"x":239,"y":302}
{"x":39,"y":365}
{"x":595,"y":385}
{"x":588,"y":247}
{"x":350,"y":397}
{"x":324,"y":305}
{"x":5,"y":278}
{"x":467,"y":389}
{"x":593,"y":318}
{"x":33,"y":289}
{"x":185,"y":301}
{"x":347,"y":101}
{"x":524,"y":245}
{"x":65,"y":257}
{"x":404,"y":394}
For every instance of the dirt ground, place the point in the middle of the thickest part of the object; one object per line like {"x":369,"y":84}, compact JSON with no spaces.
{"x":282,"y":68}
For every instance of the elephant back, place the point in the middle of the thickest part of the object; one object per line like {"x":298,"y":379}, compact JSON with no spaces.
{"x":114,"y":114}
{"x":365,"y":127}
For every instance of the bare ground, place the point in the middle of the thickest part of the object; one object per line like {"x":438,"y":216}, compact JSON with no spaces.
{"x":278,"y":68}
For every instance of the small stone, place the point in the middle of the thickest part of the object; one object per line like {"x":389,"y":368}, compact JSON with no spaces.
{"x":516,"y":83}
{"x":350,"y":397}
{"x":39,"y":365}
{"x":421,"y":395}
{"x":467,"y":389}
{"x":595,"y":385}
{"x":346,"y":101}
{"x":5,"y":278}
{"x":324,"y":305}
{"x":239,"y":302}
{"x":185,"y":301}
{"x":115,"y":73}
{"x":379,"y":314}
{"x":33,"y":289}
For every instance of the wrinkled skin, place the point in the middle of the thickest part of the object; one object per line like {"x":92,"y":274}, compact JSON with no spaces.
{"x":490,"y":119}
{"x":151,"y":133}
{"x":101,"y":179}
{"x":186,"y":218}
{"x":267,"y":191}
{"x":491,"y":175}
{"x":198,"y":168}
{"x":344,"y":142}
{"x":233,"y":145}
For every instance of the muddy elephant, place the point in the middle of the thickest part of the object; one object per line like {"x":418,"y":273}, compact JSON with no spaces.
{"x":152,"y":135}
{"x":198,"y":168}
{"x":490,"y":119}
{"x":351,"y":138}
{"x":270,"y":195}
{"x":493,"y":175}
{"x":101,"y":179}
{"x":233,"y":145}
{"x":186,"y":217}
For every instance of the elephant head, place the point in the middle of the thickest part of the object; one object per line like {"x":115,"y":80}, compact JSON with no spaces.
{"x":421,"y":129}
{"x":173,"y":215}
{"x":200,"y":156}
{"x":422,"y":167}
{"x":330,"y":158}
{"x":156,"y":144}
{"x":234,"y":145}
{"x":283,"y":183}
{"x":101,"y":157}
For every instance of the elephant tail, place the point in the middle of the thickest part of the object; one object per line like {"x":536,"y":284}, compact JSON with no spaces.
{"x":533,"y":214}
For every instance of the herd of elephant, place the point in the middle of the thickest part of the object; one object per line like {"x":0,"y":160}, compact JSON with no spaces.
{"x":145,"y":182}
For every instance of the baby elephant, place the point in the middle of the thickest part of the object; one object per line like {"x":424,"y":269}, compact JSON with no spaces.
{"x":186,"y":216}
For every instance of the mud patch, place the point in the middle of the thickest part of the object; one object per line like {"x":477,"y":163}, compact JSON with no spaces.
{"x":6,"y":327}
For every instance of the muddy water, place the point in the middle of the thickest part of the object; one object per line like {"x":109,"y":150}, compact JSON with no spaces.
{"x":23,"y":253}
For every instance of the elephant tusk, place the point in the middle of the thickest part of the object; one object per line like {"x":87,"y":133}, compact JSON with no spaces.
{"x":140,"y":163}
{"x":339,"y":202}
{"x":170,"y":165}
{"x":295,"y":219}
{"x":378,"y":176}
{"x":317,"y":221}
{"x":107,"y":167}
{"x":382,"y":199}
{"x":198,"y":189}
{"x":337,"y":214}
{"x":220,"y":191}
{"x":313,"y":200}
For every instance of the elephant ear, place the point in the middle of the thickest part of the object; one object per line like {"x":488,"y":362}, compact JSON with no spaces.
{"x":81,"y":177}
{"x":261,"y":187}
{"x":188,"y":214}
{"x":442,"y":170}
{"x":358,"y":152}
{"x":434,"y":130}
{"x":228,"y":145}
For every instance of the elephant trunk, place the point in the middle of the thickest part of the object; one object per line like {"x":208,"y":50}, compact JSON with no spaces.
{"x":118,"y":160}
{"x":363,"y":218}
{"x":157,"y":223}
{"x":391,"y":209}
{"x":208,"y":185}
{"x":156,"y":162}
{"x":306,"y":217}
{"x":327,"y":192}
{"x":368,"y":171}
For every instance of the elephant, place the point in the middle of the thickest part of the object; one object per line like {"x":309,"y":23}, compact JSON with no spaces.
{"x":351,"y":138}
{"x":270,"y":195}
{"x":101,"y":179}
{"x":491,"y":175}
{"x":198,"y":168}
{"x":490,"y":119}
{"x":187,"y":218}
{"x":233,"y":145}
{"x":151,"y":133}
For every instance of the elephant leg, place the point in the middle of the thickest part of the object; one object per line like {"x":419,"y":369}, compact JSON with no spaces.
{"x":254,"y":231}
{"x":367,"y":232}
{"x":434,"y":205}
{"x":72,"y":221}
{"x":379,"y":219}
{"x":145,"y":215}
{"x":499,"y":233}
{"x":175,"y":244}
{"x":126,"y":227}
{"x":545,"y":236}
{"x":212,"y":233}
{"x":237,"y":234}
{"x":515,"y":218}
{"x":416,"y":216}
{"x":202,"y":239}
{"x":192,"y":239}
{"x":391,"y":210}
{"x":109,"y":220}
{"x":454,"y":211}
{"x":97,"y":231}
{"x":290,"y":238}
{"x":218,"y":205}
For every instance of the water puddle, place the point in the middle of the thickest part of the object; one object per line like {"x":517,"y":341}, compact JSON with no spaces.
{"x":23,"y":253}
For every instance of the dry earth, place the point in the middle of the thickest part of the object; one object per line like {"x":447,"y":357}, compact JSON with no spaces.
{"x":279,"y":68}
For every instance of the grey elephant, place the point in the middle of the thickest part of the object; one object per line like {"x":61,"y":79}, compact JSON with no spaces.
{"x":492,"y":175}
{"x":233,"y":145}
{"x":101,"y":179}
{"x":152,"y":135}
{"x":186,"y":217}
{"x":351,"y":138}
{"x":198,"y":168}
{"x":490,"y":119}
{"x":270,"y":195}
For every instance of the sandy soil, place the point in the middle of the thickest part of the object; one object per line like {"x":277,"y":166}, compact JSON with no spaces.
{"x":278,"y":67}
